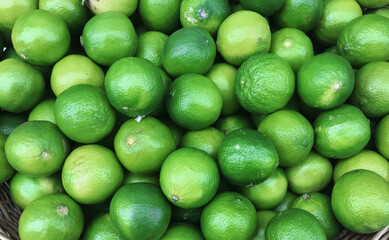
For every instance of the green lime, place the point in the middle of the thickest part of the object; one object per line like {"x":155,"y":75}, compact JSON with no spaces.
{"x":223,"y":74}
{"x":194,"y":101}
{"x":364,"y":40}
{"x":108,"y":37}
{"x":336,"y":15}
{"x":126,"y":7}
{"x":7,"y":171}
{"x":341,"y":132}
{"x":188,"y":50}
{"x":83,"y":113}
{"x":143,"y":178}
{"x":208,"y":14}
{"x":383,"y":12}
{"x":52,"y":217}
{"x":44,"y":111}
{"x":357,"y":205}
{"x":178,"y":231}
{"x":208,"y":140}
{"x":312,"y":174}
{"x":230,"y":123}
{"x":382,"y":136}
{"x":176,"y":131}
{"x":150,"y":46}
{"x":332,"y":50}
{"x":26,"y":189}
{"x":247,"y":157}
{"x":160,"y":109}
{"x":91,"y":174}
{"x":373,"y":3}
{"x":188,"y":215}
{"x":293,"y":45}
{"x":37,"y":148}
{"x":263,"y":7}
{"x":143,"y":146}
{"x":264,"y":218}
{"x":11,"y":10}
{"x":40,"y":37}
{"x":269,"y":193}
{"x":140,"y":211}
{"x":134,"y":86}
{"x":9,"y":121}
{"x":189,"y":178}
{"x":21,"y":86}
{"x":242,"y":35}
{"x":294,"y":224}
{"x":236,"y":7}
{"x":229,"y":216}
{"x":101,"y":228}
{"x":75,"y":69}
{"x":319,"y":205}
{"x":287,"y":202}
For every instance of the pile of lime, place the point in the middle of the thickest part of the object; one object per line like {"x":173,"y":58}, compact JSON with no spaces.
{"x":195,"y":119}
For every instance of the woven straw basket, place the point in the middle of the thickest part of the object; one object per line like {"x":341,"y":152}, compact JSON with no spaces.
{"x":10,"y":213}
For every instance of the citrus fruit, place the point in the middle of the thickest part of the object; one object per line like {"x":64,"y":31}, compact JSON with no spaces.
{"x":188,"y":215}
{"x":293,"y":45}
{"x":370,"y":87}
{"x":189,"y":178}
{"x":101,"y":228}
{"x":373,"y":3}
{"x":294,"y":224}
{"x":37,"y":148}
{"x":319,"y":205}
{"x":336,"y":15}
{"x":108,"y":37}
{"x":208,"y":140}
{"x":382,"y":136}
{"x":9,"y":121}
{"x":341,"y":132}
{"x":247,"y":157}
{"x":91,"y":174}
{"x":208,"y":14}
{"x":383,"y":12}
{"x":223,"y":74}
{"x":91,"y":115}
{"x":176,"y":131}
{"x":11,"y":10}
{"x":24,"y":189}
{"x":44,"y":111}
{"x":178,"y":231}
{"x":126,"y":7}
{"x":21,"y":86}
{"x":150,"y":46}
{"x":143,"y":178}
{"x":332,"y":50}
{"x":75,"y":69}
{"x":134,"y":86}
{"x":325,"y":81}
{"x":269,"y":193}
{"x":364,"y":40}
{"x":194,"y":101}
{"x":140,"y":211}
{"x":7,"y":171}
{"x":312,"y":174}
{"x":366,"y":159}
{"x":230,"y":123}
{"x":229,"y":216}
{"x":143,"y":146}
{"x":291,"y":134}
{"x":40,"y":37}
{"x":160,"y":109}
{"x":287,"y":202}
{"x":188,"y":50}
{"x":264,"y":83}
{"x":263,"y":7}
{"x":264,"y":218}
{"x":357,"y":205}
{"x":52,"y":217}
{"x":242,"y":35}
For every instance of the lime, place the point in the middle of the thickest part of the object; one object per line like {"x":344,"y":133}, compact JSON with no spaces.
{"x":341,"y":132}
{"x":229,"y":216}
{"x":108,"y":37}
{"x":312,"y":174}
{"x":230,"y":123}
{"x":242,"y":35}
{"x":142,"y":178}
{"x":143,"y":146}
{"x":9,"y":121}
{"x":188,"y":215}
{"x":287,"y":202}
{"x":370,"y":87}
{"x":91,"y":174}
{"x":140,"y":211}
{"x":364,"y":40}
{"x":176,"y":131}
{"x":101,"y":228}
{"x":247,"y":157}
{"x":189,"y":178}
{"x":264,"y":218}
{"x":11,"y":10}
{"x":160,"y":109}
{"x":40,"y":37}
{"x":26,"y":189}
{"x":383,"y":12}
{"x":52,"y":217}
{"x":319,"y":205}
{"x":84,"y":109}
{"x":373,"y":3}
{"x":294,"y":224}
{"x":263,"y":7}
{"x":150,"y":46}
{"x":44,"y":111}
{"x":126,"y":7}
{"x":357,"y":205}
{"x":7,"y":171}
{"x":236,"y":7}
{"x":37,"y":148}
{"x":208,"y":14}
{"x":21,"y":86}
{"x":269,"y":193}
{"x":194,"y":101}
{"x":134,"y":86}
{"x":366,"y":159}
{"x":75,"y":69}
{"x":332,"y":50}
{"x":336,"y":15}
{"x":188,"y":50}
{"x":382,"y":136}
{"x":208,"y":140}
{"x":178,"y":231}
